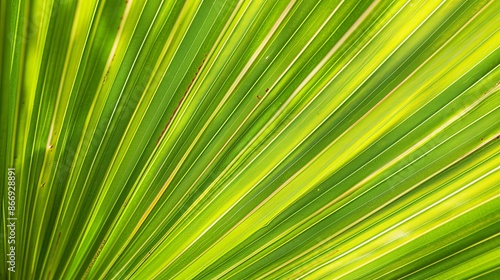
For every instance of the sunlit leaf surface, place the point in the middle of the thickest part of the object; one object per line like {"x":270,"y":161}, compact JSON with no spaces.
{"x":226,"y":139}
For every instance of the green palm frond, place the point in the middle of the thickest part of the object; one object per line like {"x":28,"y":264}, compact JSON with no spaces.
{"x":225,"y":139}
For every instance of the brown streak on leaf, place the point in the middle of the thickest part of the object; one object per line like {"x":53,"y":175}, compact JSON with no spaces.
{"x":180,"y":103}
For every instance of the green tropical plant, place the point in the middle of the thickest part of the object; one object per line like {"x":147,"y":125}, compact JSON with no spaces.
{"x":259,"y":139}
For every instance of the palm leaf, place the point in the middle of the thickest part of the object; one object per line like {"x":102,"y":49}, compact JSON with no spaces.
{"x":251,"y":139}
